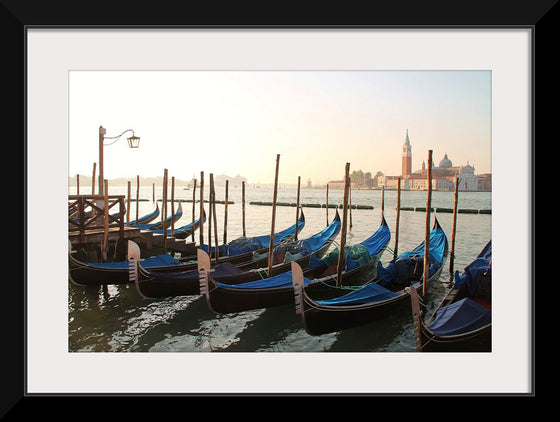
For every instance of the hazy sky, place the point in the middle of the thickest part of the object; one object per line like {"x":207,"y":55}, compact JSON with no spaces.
{"x":235,"y":122}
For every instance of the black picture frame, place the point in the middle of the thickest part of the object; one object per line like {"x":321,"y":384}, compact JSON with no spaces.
{"x":16,"y":16}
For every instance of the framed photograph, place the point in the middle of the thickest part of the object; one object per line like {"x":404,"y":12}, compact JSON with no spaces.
{"x":197,"y":97}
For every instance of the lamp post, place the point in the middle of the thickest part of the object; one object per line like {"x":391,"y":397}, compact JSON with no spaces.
{"x":133,"y":142}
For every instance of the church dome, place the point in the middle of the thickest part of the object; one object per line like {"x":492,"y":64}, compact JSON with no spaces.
{"x":445,"y":163}
{"x":467,"y":169}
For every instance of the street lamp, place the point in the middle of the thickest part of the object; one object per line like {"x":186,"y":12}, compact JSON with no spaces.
{"x":133,"y":142}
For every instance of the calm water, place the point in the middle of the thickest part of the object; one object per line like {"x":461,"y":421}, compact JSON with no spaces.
{"x":118,"y":319}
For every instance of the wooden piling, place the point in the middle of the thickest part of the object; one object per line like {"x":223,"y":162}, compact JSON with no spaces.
{"x":164,"y":208}
{"x":201,"y":229}
{"x":427,"y":231}
{"x":194,"y":209}
{"x":216,"y":248}
{"x":350,"y":199}
{"x":271,"y":243}
{"x":210,"y":216}
{"x":327,"y":204}
{"x":77,"y":184}
{"x":452,"y":250}
{"x":172,"y":205}
{"x":243,"y":206}
{"x":105,"y":220}
{"x":93,"y":179}
{"x":137,"y":197}
{"x":226,"y":211}
{"x":341,"y":261}
{"x":297,"y":207}
{"x":383,"y":200}
{"x":396,"y":248}
{"x":128,"y":205}
{"x":154,"y":193}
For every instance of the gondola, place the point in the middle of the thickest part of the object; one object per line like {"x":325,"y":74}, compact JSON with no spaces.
{"x":141,"y":220}
{"x":373,"y":299}
{"x":156,"y":226}
{"x":155,"y":285}
{"x":93,"y":274}
{"x":463,"y":320}
{"x":223,"y":296}
{"x":258,"y":244}
{"x":184,"y":231}
{"x":148,"y":218}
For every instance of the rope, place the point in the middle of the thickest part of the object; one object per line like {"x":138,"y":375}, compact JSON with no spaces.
{"x":260,"y":272}
{"x":388,"y":249}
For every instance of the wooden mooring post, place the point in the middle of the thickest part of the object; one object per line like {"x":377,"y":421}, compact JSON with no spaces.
{"x":93,"y":179}
{"x":427,"y":231}
{"x":271,"y":243}
{"x":341,"y":260}
{"x":327,"y":204}
{"x":226,"y":211}
{"x":243,"y":207}
{"x":172,"y":205}
{"x":128,"y":204}
{"x":213,"y":211}
{"x":452,"y":250}
{"x":137,"y":197}
{"x":201,"y":229}
{"x":105,"y":220}
{"x":210,"y":216}
{"x":164,"y":209}
{"x":193,"y":209}
{"x":396,"y":248}
{"x":297,"y":207}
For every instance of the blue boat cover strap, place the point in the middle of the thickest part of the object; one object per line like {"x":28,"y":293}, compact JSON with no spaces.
{"x":460,"y":317}
{"x":153,"y":261}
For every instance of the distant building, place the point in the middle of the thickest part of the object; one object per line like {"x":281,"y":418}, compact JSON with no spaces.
{"x":443,"y":175}
{"x":368,"y":181}
{"x":308,"y":183}
{"x":339,"y":184}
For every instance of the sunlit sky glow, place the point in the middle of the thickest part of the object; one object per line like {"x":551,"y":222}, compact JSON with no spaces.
{"x":235,"y":122}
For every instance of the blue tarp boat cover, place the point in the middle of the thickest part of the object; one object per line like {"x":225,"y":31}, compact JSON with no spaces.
{"x":318,"y":240}
{"x":460,"y":317}
{"x":359,"y":254}
{"x":154,"y":214}
{"x":224,"y":269}
{"x":277,"y":281}
{"x":370,"y":293}
{"x":187,"y":227}
{"x":153,"y":261}
{"x":409,"y":265}
{"x":477,"y":275}
{"x":243,"y":245}
{"x":291,"y":251}
{"x":282,"y":235}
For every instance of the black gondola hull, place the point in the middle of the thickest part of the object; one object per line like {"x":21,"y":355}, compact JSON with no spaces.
{"x":322,"y":320}
{"x":478,"y":341}
{"x":229,"y":300}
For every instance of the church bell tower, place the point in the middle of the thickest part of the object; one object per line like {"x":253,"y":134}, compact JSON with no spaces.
{"x":407,"y":157}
